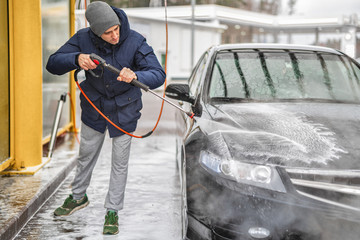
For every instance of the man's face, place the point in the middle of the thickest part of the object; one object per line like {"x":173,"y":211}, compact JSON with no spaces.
{"x":112,"y":35}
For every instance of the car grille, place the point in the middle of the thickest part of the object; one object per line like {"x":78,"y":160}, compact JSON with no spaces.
{"x":340,"y":188}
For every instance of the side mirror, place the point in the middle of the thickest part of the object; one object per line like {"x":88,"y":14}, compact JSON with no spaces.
{"x":179,"y":92}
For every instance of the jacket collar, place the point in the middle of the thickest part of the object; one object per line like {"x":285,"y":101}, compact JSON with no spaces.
{"x":125,"y":26}
{"x":101,"y":45}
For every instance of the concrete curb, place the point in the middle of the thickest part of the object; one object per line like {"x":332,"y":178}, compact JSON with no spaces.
{"x":14,"y":225}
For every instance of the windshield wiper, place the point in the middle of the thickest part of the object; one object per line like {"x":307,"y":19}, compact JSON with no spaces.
{"x":317,"y":100}
{"x":231,"y":99}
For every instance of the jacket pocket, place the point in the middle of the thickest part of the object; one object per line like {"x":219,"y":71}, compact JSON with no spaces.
{"x":144,"y":51}
{"x":128,"y":106}
{"x":88,"y":111}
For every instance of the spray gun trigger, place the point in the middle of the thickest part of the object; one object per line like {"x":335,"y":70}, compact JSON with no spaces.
{"x":97,"y":59}
{"x":191,"y":115}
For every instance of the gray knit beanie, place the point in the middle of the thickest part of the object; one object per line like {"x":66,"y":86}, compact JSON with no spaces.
{"x":101,"y":17}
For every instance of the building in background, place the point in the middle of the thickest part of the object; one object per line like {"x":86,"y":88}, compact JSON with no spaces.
{"x":235,"y":25}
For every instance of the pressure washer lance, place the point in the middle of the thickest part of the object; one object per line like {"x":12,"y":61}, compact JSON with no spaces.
{"x":99,"y":61}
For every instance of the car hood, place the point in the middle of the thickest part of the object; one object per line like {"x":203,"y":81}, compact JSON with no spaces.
{"x":302,"y":134}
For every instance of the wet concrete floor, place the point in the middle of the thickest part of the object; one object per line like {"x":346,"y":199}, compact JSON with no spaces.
{"x":152,"y":197}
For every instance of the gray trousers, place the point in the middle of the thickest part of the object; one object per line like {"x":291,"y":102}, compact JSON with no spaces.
{"x":90,"y":146}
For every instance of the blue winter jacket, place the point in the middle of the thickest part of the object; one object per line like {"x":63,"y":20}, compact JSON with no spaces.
{"x":119,"y":101}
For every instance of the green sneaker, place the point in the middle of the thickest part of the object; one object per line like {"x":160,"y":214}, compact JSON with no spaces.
{"x":71,"y":205}
{"x":111,"y":225}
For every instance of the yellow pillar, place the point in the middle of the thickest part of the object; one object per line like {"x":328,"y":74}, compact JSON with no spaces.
{"x":5,"y":159}
{"x":71,"y":78}
{"x":26,"y":82}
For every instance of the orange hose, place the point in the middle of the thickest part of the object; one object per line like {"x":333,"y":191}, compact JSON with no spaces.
{"x":107,"y":119}
{"x":166,"y":53}
{"x":84,"y":14}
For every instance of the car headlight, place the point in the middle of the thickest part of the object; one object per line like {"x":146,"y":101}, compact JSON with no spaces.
{"x":252,"y":174}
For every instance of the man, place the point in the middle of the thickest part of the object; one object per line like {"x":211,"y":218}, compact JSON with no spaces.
{"x":110,"y":37}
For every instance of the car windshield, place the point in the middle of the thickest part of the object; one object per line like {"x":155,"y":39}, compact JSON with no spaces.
{"x":272,"y":75}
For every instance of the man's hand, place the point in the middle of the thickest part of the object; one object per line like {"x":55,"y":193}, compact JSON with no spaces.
{"x":126,"y":75}
{"x":85,"y":62}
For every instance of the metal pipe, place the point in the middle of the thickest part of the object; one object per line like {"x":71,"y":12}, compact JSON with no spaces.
{"x":55,"y":126}
{"x":99,"y":61}
{"x":191,"y":115}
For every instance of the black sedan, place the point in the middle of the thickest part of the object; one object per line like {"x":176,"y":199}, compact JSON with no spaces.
{"x":273,"y":151}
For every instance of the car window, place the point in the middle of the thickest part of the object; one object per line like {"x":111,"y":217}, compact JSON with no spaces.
{"x":269,"y":75}
{"x":194,"y":80}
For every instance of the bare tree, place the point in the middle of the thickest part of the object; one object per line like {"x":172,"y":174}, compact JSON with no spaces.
{"x":269,"y":6}
{"x":155,"y":3}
